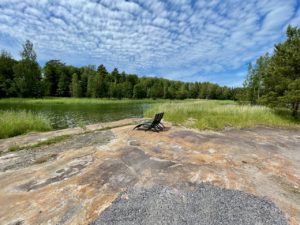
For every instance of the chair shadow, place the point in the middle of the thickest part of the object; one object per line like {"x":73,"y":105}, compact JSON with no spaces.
{"x":165,"y":129}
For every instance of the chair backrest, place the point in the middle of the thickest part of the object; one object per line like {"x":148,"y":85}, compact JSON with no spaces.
{"x":158,"y":117}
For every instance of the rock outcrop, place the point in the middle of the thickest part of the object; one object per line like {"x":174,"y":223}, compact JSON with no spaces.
{"x":73,"y":181}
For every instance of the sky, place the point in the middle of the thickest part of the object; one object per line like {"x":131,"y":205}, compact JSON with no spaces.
{"x":187,"y":40}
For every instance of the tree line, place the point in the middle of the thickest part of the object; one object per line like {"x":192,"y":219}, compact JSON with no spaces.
{"x":274,"y":80}
{"x":25,"y":78}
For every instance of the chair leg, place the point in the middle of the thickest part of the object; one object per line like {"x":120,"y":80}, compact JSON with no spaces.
{"x":159,"y":127}
{"x":137,"y":126}
{"x":156,"y":129}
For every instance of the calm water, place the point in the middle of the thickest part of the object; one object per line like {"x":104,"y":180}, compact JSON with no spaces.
{"x":72,"y":115}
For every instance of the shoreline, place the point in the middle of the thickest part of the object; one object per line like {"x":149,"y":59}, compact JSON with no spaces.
{"x":35,"y":137}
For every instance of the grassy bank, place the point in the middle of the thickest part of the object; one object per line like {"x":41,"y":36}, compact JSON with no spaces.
{"x":75,"y":101}
{"x":201,"y":114}
{"x":16,"y":123}
{"x":22,"y":115}
{"x":213,"y":114}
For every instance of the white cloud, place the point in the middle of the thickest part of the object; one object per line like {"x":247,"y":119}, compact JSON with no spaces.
{"x":177,"y":39}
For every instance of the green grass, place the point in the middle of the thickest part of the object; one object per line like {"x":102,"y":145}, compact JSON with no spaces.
{"x":16,"y":123}
{"x":216,"y":115}
{"x":13,"y":123}
{"x":51,"y":141}
{"x":84,"y":101}
{"x":201,"y":114}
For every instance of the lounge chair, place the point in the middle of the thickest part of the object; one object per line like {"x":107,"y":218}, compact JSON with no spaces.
{"x":154,"y":124}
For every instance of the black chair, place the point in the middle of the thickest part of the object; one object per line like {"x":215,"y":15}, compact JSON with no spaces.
{"x":155,"y":124}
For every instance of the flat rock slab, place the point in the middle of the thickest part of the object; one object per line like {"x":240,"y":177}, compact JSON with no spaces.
{"x":33,"y":138}
{"x":29,"y":157}
{"x":254,"y":174}
{"x":203,"y":205}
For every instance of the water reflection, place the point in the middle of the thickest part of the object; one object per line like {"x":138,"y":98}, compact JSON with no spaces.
{"x":72,"y":115}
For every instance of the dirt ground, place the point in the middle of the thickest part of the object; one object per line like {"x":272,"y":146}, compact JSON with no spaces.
{"x":73,"y":181}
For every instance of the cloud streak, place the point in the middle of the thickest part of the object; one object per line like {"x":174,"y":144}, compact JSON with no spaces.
{"x":178,"y":39}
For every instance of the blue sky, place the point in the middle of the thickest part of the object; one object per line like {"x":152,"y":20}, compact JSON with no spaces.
{"x":188,"y":40}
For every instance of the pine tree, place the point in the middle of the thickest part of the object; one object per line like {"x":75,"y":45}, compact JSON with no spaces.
{"x":7,"y":64}
{"x":27,"y":73}
{"x":283,"y":75}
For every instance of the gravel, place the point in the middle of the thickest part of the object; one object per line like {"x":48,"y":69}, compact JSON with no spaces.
{"x":204,"y":204}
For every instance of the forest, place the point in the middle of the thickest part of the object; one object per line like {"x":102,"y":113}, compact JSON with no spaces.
{"x":25,"y":78}
{"x":273,"y":80}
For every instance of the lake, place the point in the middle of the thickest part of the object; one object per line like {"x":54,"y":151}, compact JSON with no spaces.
{"x":73,"y":115}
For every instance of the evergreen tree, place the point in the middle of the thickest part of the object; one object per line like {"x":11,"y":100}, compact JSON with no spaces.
{"x":7,"y":64}
{"x":102,"y":86}
{"x":27,"y":73}
{"x":23,"y":78}
{"x":275,"y":80}
{"x":283,"y":74}
{"x":115,"y":75}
